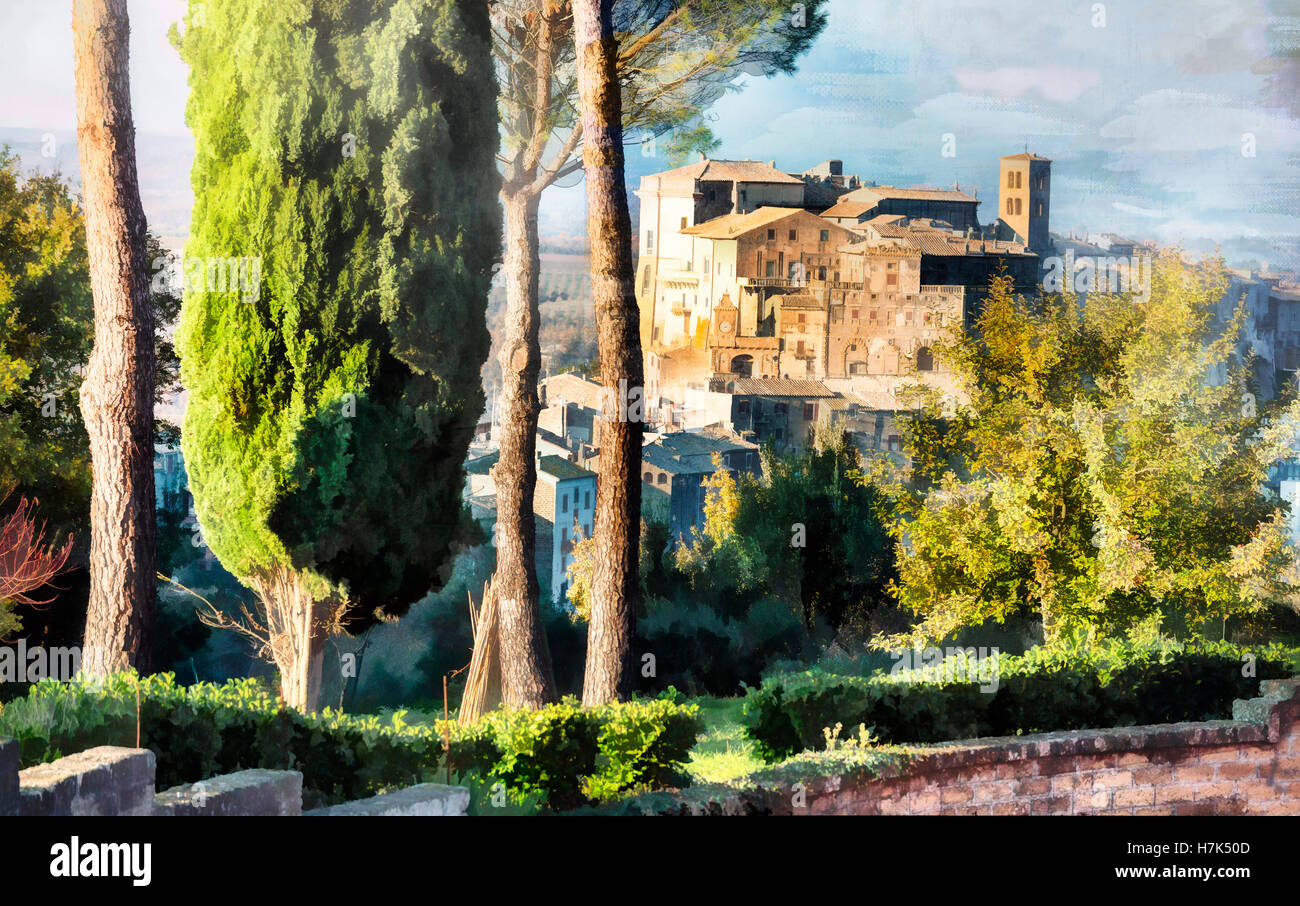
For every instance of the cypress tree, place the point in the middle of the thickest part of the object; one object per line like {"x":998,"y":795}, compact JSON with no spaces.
{"x":344,"y":232}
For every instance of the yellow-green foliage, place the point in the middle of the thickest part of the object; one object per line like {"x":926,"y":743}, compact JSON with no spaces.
{"x":348,"y":149}
{"x":1108,"y":467}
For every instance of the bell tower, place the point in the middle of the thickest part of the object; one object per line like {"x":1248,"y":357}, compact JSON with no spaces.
{"x":1024,"y":198}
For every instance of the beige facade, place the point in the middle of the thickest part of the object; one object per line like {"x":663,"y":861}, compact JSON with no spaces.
{"x":674,"y":281}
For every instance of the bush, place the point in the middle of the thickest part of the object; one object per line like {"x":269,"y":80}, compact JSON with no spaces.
{"x":1113,"y":685}
{"x":559,"y":756}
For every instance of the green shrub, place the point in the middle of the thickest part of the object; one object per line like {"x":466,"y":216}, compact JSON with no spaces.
{"x":558,"y":756}
{"x":1043,"y":690}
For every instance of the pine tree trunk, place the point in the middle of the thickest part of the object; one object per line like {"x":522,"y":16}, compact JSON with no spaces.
{"x":526,"y":679}
{"x":618,"y":493}
{"x":117,"y":393}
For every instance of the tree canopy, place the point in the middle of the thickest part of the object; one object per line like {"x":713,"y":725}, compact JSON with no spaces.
{"x":346,"y":152}
{"x":1108,"y":466}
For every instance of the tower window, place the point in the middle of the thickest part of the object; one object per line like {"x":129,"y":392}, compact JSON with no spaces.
{"x":771,"y":234}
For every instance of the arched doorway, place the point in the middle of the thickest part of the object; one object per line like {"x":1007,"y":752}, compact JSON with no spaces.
{"x":743,"y":365}
{"x":924,"y":359}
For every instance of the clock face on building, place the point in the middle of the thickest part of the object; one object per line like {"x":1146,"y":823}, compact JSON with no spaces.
{"x":725,"y":327}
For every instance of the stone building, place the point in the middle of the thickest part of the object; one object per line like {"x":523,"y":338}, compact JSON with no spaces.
{"x":564,"y":507}
{"x":952,"y":206}
{"x":670,"y":280}
{"x":765,"y":249}
{"x":675,"y":467}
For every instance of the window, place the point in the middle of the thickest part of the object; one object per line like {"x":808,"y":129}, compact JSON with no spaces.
{"x":1011,"y":180}
{"x":798,"y":349}
{"x":1017,"y":179}
{"x":683,"y":226}
{"x":586,"y":501}
{"x":893,"y":442}
{"x":1018,"y":206}
{"x":770,"y":269}
{"x":648,"y":478}
{"x":1011,"y":206}
{"x":821,"y":273}
{"x":663,"y":478}
{"x":771,"y":234}
{"x":564,"y":504}
{"x":792,"y":235}
{"x":809,"y":411}
{"x":707,"y":264}
{"x":891,"y":280}
{"x":924,"y":359}
{"x":873,"y":315}
{"x":825,"y":236}
{"x":853,"y":313}
{"x":802,"y":317}
{"x":1039,"y":211}
{"x":649,"y":240}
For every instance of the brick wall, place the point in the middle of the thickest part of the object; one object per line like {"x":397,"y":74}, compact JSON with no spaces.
{"x":1246,"y":766}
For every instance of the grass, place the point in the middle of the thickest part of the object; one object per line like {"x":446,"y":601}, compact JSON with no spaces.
{"x":722,"y":752}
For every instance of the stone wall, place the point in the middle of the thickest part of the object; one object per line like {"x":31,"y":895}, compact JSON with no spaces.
{"x":106,"y":780}
{"x":8,"y":778}
{"x":1246,"y":766}
{"x":425,"y":799}
{"x":110,"y":780}
{"x":254,"y":792}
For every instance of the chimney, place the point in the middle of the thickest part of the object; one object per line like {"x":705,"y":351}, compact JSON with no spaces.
{"x":772,"y":164}
{"x":703,"y":158}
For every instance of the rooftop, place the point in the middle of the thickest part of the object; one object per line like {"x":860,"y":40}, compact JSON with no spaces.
{"x":729,"y":226}
{"x":875,"y":194}
{"x":561,"y":469}
{"x":731,"y":171}
{"x":779,"y":387}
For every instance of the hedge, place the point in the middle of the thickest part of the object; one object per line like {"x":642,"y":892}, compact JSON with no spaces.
{"x":561,"y":755}
{"x":1040,"y":691}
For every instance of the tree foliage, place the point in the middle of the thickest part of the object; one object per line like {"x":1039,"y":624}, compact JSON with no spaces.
{"x":1107,"y":467}
{"x":806,"y":532}
{"x":46,"y":330}
{"x":347,"y":147}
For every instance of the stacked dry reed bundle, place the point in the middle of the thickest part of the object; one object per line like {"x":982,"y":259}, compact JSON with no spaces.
{"x":483,"y":682}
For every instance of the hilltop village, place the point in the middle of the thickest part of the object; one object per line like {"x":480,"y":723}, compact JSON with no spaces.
{"x":773,"y":301}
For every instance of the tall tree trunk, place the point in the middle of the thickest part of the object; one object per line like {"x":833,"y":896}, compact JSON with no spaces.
{"x":526,"y":678}
{"x":297,"y":626}
{"x":117,"y":394}
{"x":618,"y":493}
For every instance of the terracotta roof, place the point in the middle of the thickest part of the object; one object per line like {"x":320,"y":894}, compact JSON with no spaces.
{"x":573,"y":388}
{"x":733,"y":171}
{"x":877,"y":193}
{"x":1024,"y":155}
{"x":729,"y":226}
{"x":844,"y":208}
{"x":780,"y":387}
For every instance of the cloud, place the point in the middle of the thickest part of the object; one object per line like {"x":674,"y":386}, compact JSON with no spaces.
{"x":1052,"y":82}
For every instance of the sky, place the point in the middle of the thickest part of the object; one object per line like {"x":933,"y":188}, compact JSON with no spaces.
{"x":1171,"y":120}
